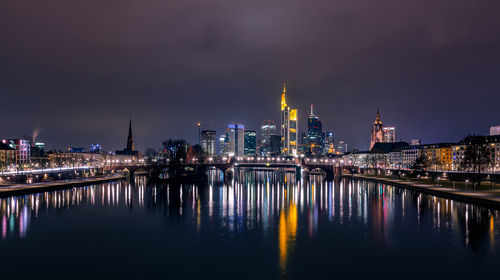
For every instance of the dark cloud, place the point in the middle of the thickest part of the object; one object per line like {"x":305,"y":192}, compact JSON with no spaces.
{"x":78,"y":69}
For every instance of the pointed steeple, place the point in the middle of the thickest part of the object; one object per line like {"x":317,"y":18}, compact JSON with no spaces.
{"x":130,"y":138}
{"x":377,"y":120}
{"x":283,"y":97}
{"x":312,"y":113}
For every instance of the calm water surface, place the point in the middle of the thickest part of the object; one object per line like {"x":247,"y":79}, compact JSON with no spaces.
{"x":261,"y":226}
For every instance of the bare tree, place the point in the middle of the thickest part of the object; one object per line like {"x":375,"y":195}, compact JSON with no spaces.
{"x":476,"y":156}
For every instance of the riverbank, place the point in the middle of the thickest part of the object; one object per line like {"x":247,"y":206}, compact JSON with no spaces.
{"x":486,"y":198}
{"x":56,"y":185}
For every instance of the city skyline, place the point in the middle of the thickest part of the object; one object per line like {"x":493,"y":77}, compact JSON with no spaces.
{"x":230,"y":61}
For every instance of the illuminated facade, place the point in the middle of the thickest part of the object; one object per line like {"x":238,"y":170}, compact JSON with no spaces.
{"x":314,"y":134}
{"x":438,"y":156}
{"x":267,"y":129}
{"x":329,"y":143}
{"x":289,"y":129}
{"x":208,"y":141}
{"x":389,"y":133}
{"x":7,"y":154}
{"x":250,"y":142}
{"x":377,"y":131}
{"x":235,"y":140}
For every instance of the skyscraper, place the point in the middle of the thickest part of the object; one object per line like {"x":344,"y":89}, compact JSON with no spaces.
{"x":341,"y":147}
{"x":267,"y":129}
{"x":314,"y":134}
{"x":235,"y":142}
{"x":222,"y":144}
{"x":329,"y":143}
{"x":377,"y":131}
{"x":389,"y":134}
{"x":208,"y":141}
{"x":288,"y":127}
{"x":250,"y":142}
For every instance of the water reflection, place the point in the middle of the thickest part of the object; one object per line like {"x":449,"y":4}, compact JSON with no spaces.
{"x":274,"y":204}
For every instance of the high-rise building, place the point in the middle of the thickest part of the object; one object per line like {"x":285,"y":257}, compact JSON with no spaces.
{"x":275,"y":145}
{"x":314,"y":134}
{"x":251,"y":142}
{"x":289,"y":127}
{"x":341,"y":147}
{"x":377,"y":131}
{"x":495,"y":130}
{"x":235,"y":140}
{"x":389,"y":133}
{"x":222,"y":144}
{"x":208,"y":141}
{"x":329,"y":143}
{"x":267,"y":129}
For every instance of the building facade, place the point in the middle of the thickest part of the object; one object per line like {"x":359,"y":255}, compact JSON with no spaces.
{"x":251,"y":142}
{"x":289,"y":129}
{"x":267,"y":129}
{"x":495,"y":130}
{"x":389,"y":133}
{"x":329,"y":143}
{"x":235,"y":140}
{"x":314,"y":134}
{"x":208,"y":141}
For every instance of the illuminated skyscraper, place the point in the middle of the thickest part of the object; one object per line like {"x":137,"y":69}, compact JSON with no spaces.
{"x":329,"y":143}
{"x":377,"y":131}
{"x":288,"y":127}
{"x":235,"y":142}
{"x":250,"y":143}
{"x":267,"y":129}
{"x":222,"y":144}
{"x":314,"y":134}
{"x":208,"y":141}
{"x":389,"y":134}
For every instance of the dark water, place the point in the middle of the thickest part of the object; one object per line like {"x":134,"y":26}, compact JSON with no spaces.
{"x":259,"y":227}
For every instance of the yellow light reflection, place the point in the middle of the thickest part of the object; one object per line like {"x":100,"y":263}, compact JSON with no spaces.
{"x":287,"y":234}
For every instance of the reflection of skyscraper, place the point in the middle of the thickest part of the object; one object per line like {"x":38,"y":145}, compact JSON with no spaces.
{"x":267,"y":129}
{"x":250,"y":143}
{"x":377,"y":132}
{"x":208,"y":141}
{"x":389,"y":134}
{"x":288,"y":127}
{"x":314,"y":134}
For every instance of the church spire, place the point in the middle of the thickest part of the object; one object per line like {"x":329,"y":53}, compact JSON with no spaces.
{"x":377,"y":120}
{"x":130,"y":138}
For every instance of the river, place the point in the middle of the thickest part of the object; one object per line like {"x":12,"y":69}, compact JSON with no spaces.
{"x":263,"y":225}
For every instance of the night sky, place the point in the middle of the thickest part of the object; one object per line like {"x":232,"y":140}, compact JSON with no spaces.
{"x":76,"y":70}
